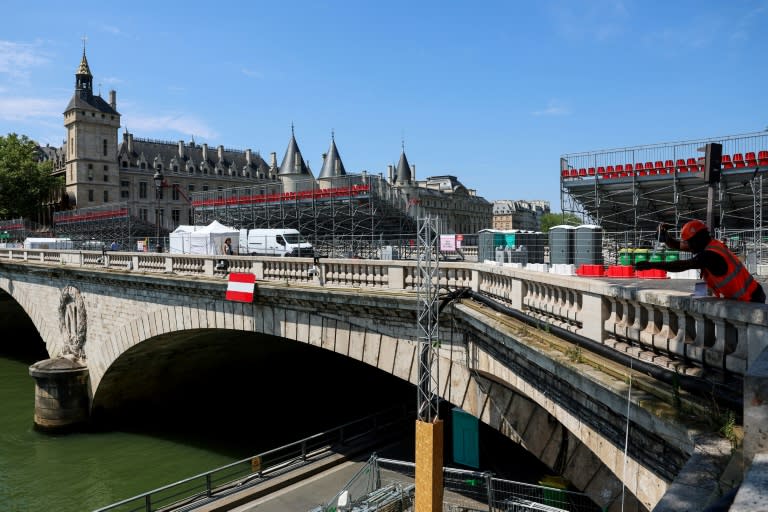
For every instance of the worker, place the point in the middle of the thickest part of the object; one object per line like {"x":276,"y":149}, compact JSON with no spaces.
{"x":725,"y":274}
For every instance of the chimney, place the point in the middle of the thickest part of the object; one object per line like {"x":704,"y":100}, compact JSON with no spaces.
{"x":248,"y":157}
{"x":205,"y":152}
{"x":221,"y":153}
{"x":273,"y":160}
{"x":181,"y":149}
{"x":413,"y":172}
{"x":113,"y":99}
{"x":390,"y":172}
{"x":130,"y":142}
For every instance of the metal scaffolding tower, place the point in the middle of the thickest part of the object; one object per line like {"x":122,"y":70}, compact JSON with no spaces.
{"x":428,"y":290}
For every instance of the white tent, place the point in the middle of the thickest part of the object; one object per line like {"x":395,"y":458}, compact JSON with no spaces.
{"x":202,"y":239}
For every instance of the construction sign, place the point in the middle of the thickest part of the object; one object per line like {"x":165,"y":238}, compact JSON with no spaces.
{"x":240,"y":287}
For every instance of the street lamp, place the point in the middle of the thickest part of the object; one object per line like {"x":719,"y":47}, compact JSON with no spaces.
{"x":158,"y":178}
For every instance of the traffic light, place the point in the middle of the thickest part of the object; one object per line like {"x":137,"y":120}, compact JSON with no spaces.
{"x":713,"y":158}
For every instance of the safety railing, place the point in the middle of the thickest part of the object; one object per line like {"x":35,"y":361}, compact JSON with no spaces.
{"x":249,"y":472}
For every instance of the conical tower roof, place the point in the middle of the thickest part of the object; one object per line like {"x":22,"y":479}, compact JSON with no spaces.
{"x":332,"y":165}
{"x":403,"y":172}
{"x":293,"y":163}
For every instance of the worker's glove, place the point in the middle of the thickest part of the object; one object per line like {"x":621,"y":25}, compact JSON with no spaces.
{"x":643,"y":265}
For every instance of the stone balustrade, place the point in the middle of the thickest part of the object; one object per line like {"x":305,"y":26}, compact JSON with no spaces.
{"x":706,"y":332}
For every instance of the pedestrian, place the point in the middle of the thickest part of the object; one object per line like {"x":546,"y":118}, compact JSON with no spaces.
{"x":114,"y":246}
{"x":226,"y":249}
{"x":725,"y":274}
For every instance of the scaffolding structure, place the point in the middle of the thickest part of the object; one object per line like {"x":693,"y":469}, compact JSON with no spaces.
{"x":344,"y":216}
{"x":118,"y":222}
{"x":631,"y":190}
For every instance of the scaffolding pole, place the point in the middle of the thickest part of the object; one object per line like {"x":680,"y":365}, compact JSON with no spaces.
{"x":429,"y":428}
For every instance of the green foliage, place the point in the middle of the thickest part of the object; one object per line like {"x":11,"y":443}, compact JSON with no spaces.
{"x":25,"y":183}
{"x":728,"y":427}
{"x":549,"y":220}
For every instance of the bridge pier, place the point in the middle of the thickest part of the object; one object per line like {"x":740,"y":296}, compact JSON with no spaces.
{"x":61,"y":394}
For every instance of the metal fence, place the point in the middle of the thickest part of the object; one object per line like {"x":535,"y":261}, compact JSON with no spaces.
{"x":388,"y":485}
{"x":237,"y":476}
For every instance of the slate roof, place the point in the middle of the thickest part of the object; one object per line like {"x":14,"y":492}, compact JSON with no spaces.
{"x":293,"y":163}
{"x":168,"y":151}
{"x":332,"y":165}
{"x":403,"y":171}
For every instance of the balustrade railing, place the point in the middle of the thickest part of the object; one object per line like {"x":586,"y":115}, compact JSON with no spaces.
{"x":704,"y":332}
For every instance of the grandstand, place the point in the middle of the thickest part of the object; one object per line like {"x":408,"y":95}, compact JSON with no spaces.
{"x":348,"y":215}
{"x":110,"y":222}
{"x":628,"y":191}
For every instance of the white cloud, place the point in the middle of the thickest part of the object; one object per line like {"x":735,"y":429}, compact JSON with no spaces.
{"x":25,"y":109}
{"x":164,"y":125}
{"x":553,"y":108}
{"x":16,"y":59}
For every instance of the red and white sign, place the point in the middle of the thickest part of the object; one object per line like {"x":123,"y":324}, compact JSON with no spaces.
{"x":240,"y":287}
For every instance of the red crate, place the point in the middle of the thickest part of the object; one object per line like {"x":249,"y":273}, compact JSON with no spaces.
{"x":621,"y":271}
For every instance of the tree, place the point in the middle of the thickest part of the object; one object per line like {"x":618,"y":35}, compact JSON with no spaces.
{"x":25,"y":183}
{"x":549,"y":220}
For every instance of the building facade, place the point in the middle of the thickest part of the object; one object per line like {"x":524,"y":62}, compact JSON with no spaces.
{"x":524,"y":215}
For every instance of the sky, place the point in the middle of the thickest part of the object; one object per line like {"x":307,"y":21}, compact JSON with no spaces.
{"x":492,"y":92}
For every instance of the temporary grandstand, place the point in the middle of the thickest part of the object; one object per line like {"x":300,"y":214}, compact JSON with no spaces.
{"x":118,"y":222}
{"x":628,"y":191}
{"x":348,"y":215}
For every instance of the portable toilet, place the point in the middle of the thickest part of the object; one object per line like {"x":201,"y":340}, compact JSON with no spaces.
{"x":561,"y":244}
{"x":588,"y":245}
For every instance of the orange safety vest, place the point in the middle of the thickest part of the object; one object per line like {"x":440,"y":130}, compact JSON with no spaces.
{"x":737,"y":283}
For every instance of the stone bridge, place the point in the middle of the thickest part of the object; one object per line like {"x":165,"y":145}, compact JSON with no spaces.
{"x":600,"y":380}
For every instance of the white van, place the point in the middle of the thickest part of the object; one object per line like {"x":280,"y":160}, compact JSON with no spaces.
{"x":49,"y":243}
{"x":274,"y":242}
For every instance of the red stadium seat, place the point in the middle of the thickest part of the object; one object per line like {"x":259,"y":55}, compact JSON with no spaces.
{"x":669,"y":167}
{"x":574,"y":173}
{"x":650,"y":170}
{"x":738,"y":160}
{"x":591,"y":171}
{"x":564,"y":173}
{"x":629,"y":170}
{"x":680,"y":165}
{"x":582,"y":172}
{"x":692,"y":165}
{"x":750,"y":159}
{"x":600,"y":170}
{"x":762,"y":158}
{"x":726,"y":161}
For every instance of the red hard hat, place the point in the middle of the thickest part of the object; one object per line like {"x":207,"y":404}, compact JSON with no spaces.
{"x":691,"y":228}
